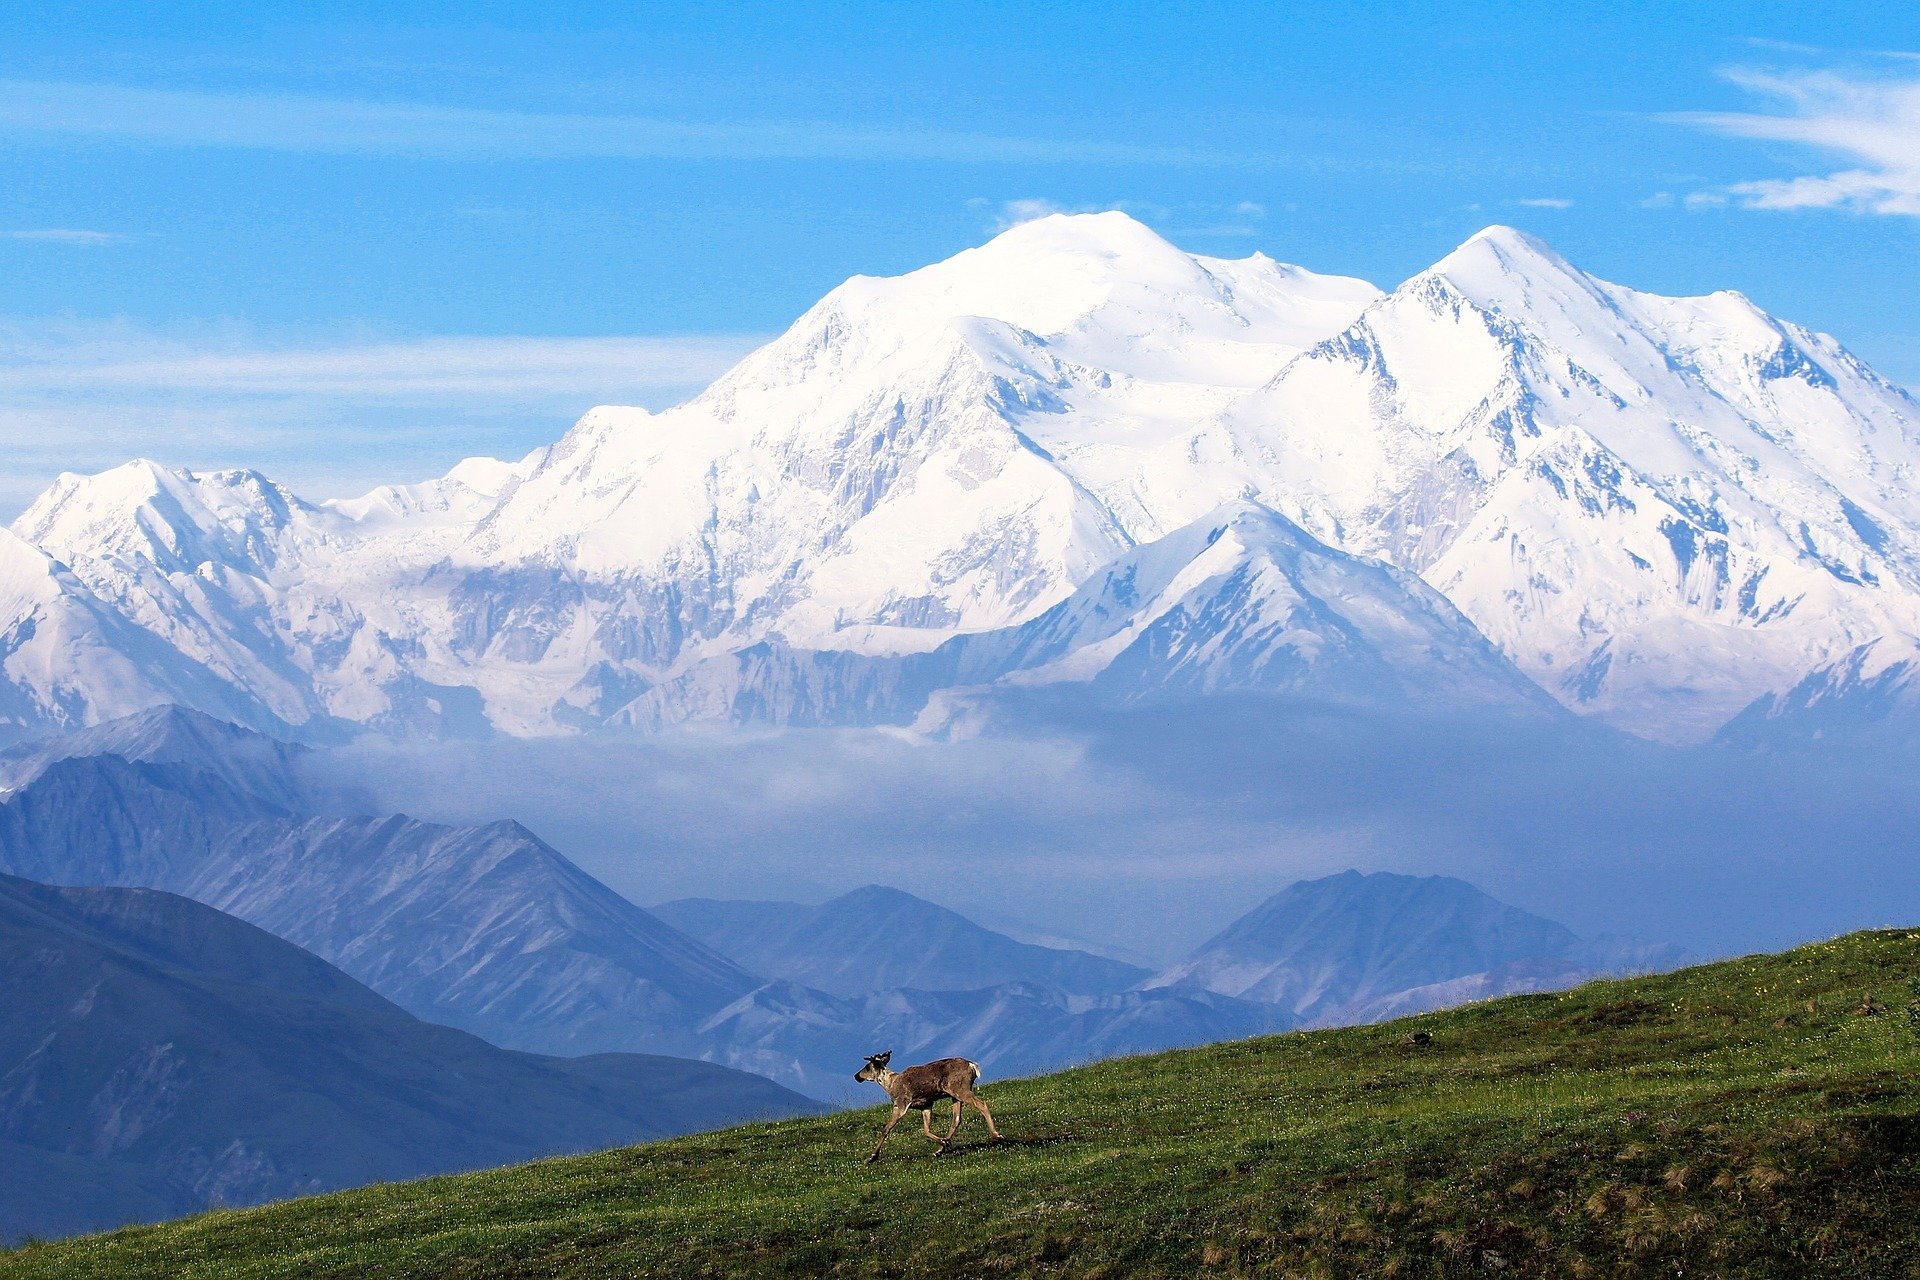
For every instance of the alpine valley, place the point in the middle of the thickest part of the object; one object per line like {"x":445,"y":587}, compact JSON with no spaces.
{"x":1075,"y":458}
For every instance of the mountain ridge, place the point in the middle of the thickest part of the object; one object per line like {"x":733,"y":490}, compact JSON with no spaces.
{"x":486,"y":928}
{"x":877,"y":937}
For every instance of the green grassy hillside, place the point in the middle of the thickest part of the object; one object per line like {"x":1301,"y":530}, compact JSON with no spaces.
{"x":1754,"y":1118}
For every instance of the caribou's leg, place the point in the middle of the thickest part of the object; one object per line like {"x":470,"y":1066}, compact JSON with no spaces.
{"x":926,"y":1127}
{"x":892,"y":1120}
{"x":959,"y":1114}
{"x":972,"y":1099}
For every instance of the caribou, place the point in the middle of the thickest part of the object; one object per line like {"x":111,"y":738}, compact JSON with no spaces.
{"x":918,"y":1088}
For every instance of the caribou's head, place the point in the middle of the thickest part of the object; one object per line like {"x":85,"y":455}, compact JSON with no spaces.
{"x":876,"y":1067}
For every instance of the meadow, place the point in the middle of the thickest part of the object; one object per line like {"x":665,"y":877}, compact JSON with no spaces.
{"x":1756,"y":1117}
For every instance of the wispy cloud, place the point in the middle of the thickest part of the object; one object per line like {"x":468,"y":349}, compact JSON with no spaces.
{"x":68,"y":235}
{"x":1545,"y":202}
{"x":430,"y":367}
{"x":1004,"y":215}
{"x":1873,"y":121}
{"x":1011,"y":213}
{"x":1181,"y":223}
{"x":300,"y":123}
{"x":329,"y":417}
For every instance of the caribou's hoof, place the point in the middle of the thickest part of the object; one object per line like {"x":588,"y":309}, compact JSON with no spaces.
{"x":870,"y":1159}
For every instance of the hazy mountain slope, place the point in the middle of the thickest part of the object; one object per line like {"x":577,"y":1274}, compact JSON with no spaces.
{"x":876,"y":937}
{"x":878,"y":968}
{"x":487,"y":927}
{"x":1513,"y":977}
{"x":102,"y":820}
{"x":1326,"y":949}
{"x":1867,"y":699}
{"x":158,"y":1057}
{"x":249,"y":763}
{"x":815,"y":1041}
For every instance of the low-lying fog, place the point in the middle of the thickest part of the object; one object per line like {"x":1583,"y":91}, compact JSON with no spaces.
{"x":1143,"y":832}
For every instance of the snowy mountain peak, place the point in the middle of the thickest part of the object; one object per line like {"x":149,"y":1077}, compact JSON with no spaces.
{"x":1101,"y":289}
{"x":1521,"y":252}
{"x":171,"y":517}
{"x":1011,"y":466}
{"x":1504,"y":269}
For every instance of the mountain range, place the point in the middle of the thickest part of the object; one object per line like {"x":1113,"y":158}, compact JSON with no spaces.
{"x":490,"y":930}
{"x":1341,"y":949}
{"x":484,"y":928}
{"x":158,"y":1057}
{"x":1075,"y":456}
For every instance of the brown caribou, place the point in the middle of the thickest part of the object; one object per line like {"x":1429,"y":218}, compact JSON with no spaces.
{"x":918,"y":1088}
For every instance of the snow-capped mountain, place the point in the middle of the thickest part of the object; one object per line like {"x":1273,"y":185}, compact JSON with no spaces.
{"x":67,"y":657}
{"x":1660,"y":508}
{"x":1019,"y":466}
{"x":1242,"y":599}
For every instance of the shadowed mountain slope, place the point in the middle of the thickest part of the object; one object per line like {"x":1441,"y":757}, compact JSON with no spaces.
{"x":486,"y":928}
{"x":158,"y":1057}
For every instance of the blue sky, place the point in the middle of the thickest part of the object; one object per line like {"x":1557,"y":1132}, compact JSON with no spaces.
{"x":359,"y":247}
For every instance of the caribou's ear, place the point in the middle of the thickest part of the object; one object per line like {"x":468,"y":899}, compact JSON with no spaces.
{"x":884,"y":1058}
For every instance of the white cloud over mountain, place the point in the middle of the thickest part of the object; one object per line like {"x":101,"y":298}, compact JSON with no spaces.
{"x":1873,"y":121}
